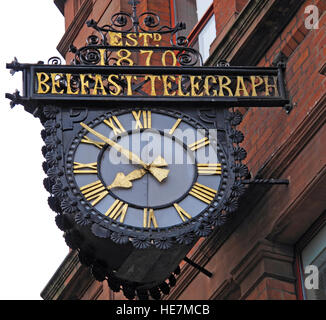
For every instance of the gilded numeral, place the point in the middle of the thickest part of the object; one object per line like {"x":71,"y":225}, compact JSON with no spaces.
{"x":199,"y":144}
{"x":94,"y":191}
{"x":149,"y":218}
{"x":118,"y":209}
{"x":115,"y":125}
{"x":143,"y":119}
{"x":93,"y":142}
{"x":209,"y":168}
{"x":203,"y":193}
{"x":175,"y":126}
{"x":182,"y":213}
{"x":85,"y":167}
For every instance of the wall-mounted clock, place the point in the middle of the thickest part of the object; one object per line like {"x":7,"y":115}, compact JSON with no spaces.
{"x":147,"y":179}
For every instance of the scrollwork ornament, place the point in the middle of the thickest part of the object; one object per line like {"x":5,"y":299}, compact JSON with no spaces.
{"x":55,"y":61}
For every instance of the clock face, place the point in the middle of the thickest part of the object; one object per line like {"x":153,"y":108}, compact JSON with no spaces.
{"x":147,"y":169}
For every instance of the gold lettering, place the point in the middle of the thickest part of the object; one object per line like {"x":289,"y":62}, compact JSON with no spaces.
{"x":182,"y":213}
{"x":118,"y":209}
{"x":153,"y":79}
{"x":224,"y":86}
{"x":199,"y":144}
{"x":129,"y":83}
{"x":115,"y":39}
{"x":43,"y":87}
{"x":195,"y":86}
{"x":175,"y":126}
{"x":56,"y":83}
{"x":157,"y":37}
{"x":84,"y":84}
{"x":209,"y":168}
{"x":207,"y":85}
{"x":145,"y":36}
{"x":117,"y":87}
{"x":149,"y":57}
{"x":203,"y":193}
{"x":149,"y":219}
{"x":94,"y":191}
{"x":134,"y":42}
{"x":103,"y":56}
{"x":147,"y":119}
{"x":85,"y":168}
{"x":180,"y":90}
{"x":271,"y":86}
{"x":98,"y":84}
{"x":255,"y":84}
{"x":241,"y":87}
{"x":112,"y":123}
{"x":97,"y":144}
{"x":174,"y":58}
{"x":69,"y":89}
{"x":168,"y":85}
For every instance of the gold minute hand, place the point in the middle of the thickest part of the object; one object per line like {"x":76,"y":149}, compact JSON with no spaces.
{"x":127,"y":153}
{"x":158,"y":173}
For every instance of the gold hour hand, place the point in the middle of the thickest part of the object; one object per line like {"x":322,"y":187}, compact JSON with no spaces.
{"x":124,"y":181}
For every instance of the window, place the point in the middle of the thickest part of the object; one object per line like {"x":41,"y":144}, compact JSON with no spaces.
{"x":200,"y":23}
{"x":313,"y":253}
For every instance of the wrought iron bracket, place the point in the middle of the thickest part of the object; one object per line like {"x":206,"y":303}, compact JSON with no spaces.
{"x":280,"y":61}
{"x":15,"y":98}
{"x":198,"y":267}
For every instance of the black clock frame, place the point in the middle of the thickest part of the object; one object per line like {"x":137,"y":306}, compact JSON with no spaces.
{"x":203,"y":221}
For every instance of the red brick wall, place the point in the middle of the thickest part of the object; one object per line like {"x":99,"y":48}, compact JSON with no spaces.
{"x":306,"y":50}
{"x":272,"y":289}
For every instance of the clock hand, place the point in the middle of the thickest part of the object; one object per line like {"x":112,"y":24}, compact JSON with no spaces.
{"x":127,"y":153}
{"x":159,"y":174}
{"x":124,"y":181}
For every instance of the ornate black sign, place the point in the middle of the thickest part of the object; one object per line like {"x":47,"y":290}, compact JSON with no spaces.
{"x":140,"y":161}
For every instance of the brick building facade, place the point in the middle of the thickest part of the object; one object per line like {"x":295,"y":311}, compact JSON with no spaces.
{"x":262,"y":252}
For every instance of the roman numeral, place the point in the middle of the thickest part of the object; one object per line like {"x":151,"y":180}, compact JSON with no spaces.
{"x":93,"y":142}
{"x":146,"y":122}
{"x":199,"y":144}
{"x":113,"y":122}
{"x":203,"y":193}
{"x":209,"y":168}
{"x":175,"y":126}
{"x":182,"y":213}
{"x":118,"y":209}
{"x":94,"y":191}
{"x":149,"y":218}
{"x":85,"y":167}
